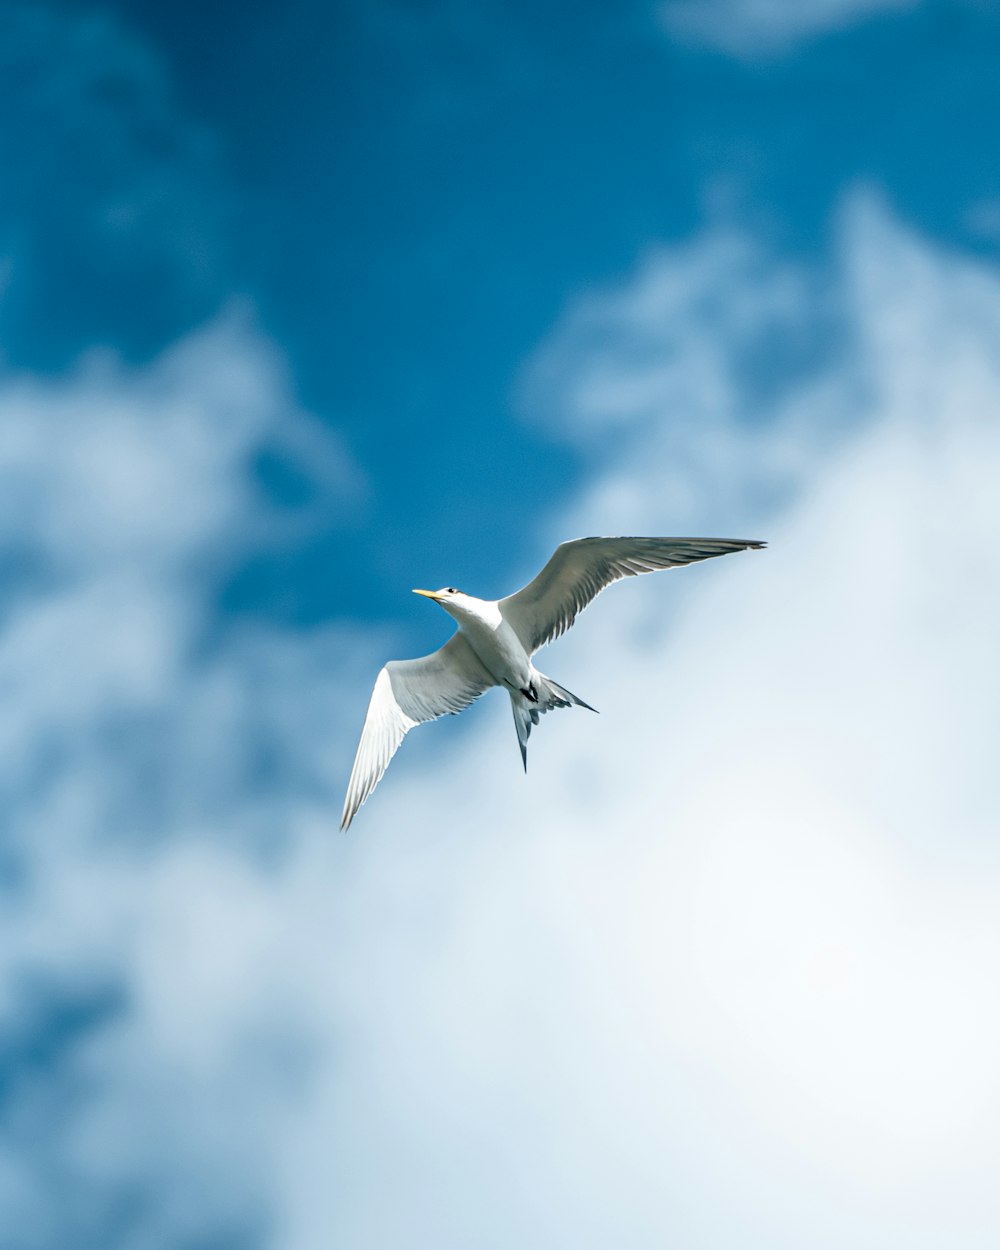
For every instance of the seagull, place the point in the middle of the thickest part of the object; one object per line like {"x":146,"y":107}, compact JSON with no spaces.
{"x":495,"y":642}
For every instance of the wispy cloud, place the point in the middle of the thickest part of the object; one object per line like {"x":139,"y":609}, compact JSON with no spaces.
{"x":128,"y":726}
{"x":748,"y":28}
{"x":113,"y":204}
{"x":733,"y":941}
{"x":743,"y":942}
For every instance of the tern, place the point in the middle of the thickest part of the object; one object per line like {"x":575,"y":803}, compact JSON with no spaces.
{"x":495,"y":642}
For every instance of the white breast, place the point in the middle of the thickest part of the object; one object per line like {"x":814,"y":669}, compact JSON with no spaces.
{"x":497,"y":646}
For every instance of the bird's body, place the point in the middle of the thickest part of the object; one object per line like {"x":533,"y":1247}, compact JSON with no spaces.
{"x":496,"y":640}
{"x":499,"y":649}
{"x":504,"y":657}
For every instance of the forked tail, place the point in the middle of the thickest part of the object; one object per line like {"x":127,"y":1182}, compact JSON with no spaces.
{"x":549,"y":694}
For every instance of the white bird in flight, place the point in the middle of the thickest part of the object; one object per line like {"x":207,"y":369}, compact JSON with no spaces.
{"x":495,"y":641}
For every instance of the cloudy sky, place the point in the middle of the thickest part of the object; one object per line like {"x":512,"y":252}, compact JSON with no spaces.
{"x":307,"y":304}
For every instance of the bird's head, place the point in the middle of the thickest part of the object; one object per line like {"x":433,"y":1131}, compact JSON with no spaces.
{"x":449,"y":597}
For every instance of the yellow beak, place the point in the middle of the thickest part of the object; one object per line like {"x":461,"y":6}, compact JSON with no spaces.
{"x":428,"y":594}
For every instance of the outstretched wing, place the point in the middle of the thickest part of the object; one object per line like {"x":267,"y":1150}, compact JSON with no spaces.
{"x":579,"y":570}
{"x":408,"y":692}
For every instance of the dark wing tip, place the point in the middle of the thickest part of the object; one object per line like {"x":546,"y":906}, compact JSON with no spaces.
{"x":755,"y":543}
{"x":740,"y":544}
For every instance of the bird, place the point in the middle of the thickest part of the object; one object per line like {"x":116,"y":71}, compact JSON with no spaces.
{"x":496,"y":640}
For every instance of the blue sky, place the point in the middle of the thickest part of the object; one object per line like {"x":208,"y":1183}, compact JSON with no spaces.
{"x":410,"y":195}
{"x":300,"y":310}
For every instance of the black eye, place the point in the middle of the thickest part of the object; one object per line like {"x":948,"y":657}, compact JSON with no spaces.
{"x":452,"y":590}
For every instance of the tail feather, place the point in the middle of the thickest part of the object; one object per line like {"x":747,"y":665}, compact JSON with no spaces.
{"x":561,"y":697}
{"x":526,"y":713}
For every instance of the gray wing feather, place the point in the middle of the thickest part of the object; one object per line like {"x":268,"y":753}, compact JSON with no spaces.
{"x":407,"y":693}
{"x":580,"y":569}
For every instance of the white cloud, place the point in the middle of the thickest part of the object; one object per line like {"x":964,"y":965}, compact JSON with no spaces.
{"x":125,"y":729}
{"x":719,"y":971}
{"x":748,"y":28}
{"x":764,"y":970}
